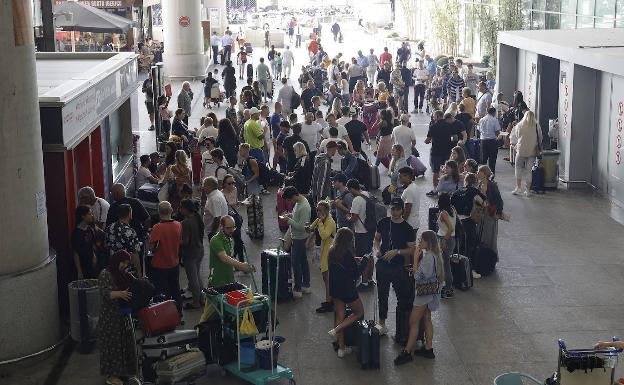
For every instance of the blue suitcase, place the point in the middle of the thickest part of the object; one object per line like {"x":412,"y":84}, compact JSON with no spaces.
{"x":537,"y":178}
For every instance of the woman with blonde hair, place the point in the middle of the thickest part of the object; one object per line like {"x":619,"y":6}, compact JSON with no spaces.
{"x":179,"y":175}
{"x":336,"y":106}
{"x":359,"y":93}
{"x":300,"y":177}
{"x":428,"y":268}
{"x":326,"y":227}
{"x":526,"y":137}
{"x":489,"y":224}
{"x":398,"y":162}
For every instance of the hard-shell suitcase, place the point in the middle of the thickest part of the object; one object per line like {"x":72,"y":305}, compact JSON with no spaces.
{"x":250,"y":70}
{"x":169,"y":344}
{"x":255,"y":218}
{"x":269,"y":265}
{"x":282,"y":206}
{"x":433,"y":218}
{"x":374,"y":178}
{"x":484,"y":260}
{"x":417,"y":165}
{"x":462,"y":272}
{"x":159,"y":318}
{"x":196,"y":164}
{"x":185,"y":367}
{"x":537,"y":177}
{"x":209,"y":339}
{"x":368,"y":344}
{"x":148,"y":192}
{"x":248,"y":49}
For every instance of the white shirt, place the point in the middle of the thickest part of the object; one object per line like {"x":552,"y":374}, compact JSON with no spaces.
{"x":310,"y":133}
{"x":344,"y":87}
{"x":331,"y":74}
{"x":100,"y":210}
{"x":284,"y":96}
{"x":404,"y":136}
{"x":215,"y":40}
{"x":206,"y":132}
{"x":208,"y":165}
{"x":143,"y":175}
{"x":501,"y":108}
{"x":227,"y":40}
{"x":421,"y":75}
{"x":483,"y":101}
{"x":287,"y":58}
{"x":216,"y":206}
{"x":412,"y":195}
{"x":373,"y":62}
{"x":343,"y":121}
{"x":342,"y":132}
{"x":359,"y":207}
{"x":488,"y":127}
{"x":322,"y":122}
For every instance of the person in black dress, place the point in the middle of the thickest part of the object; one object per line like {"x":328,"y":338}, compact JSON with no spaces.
{"x":82,"y":240}
{"x":229,"y":76}
{"x":343,"y":272}
{"x":228,"y":141}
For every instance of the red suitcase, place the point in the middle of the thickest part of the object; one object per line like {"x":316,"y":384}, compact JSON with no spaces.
{"x":196,"y":164}
{"x":369,"y":117}
{"x":282,"y":206}
{"x":159,"y":318}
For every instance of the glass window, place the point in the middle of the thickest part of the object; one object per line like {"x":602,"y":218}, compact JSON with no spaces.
{"x":553,"y":5}
{"x":569,"y":7}
{"x":619,"y":12}
{"x":605,"y":8}
{"x":584,"y":22}
{"x":539,"y":5}
{"x":568,"y":21}
{"x":553,"y":21}
{"x":537,"y":22}
{"x":603,"y":22}
{"x":586,"y":7}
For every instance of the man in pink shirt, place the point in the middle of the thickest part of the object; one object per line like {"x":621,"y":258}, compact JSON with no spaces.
{"x":385,"y":57}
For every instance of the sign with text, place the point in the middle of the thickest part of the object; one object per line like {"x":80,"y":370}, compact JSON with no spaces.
{"x":103,"y":3}
{"x":616,"y":152}
{"x":566,"y":79}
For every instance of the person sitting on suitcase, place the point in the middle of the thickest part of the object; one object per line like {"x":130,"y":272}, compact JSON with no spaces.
{"x":393,"y":245}
{"x":343,"y":273}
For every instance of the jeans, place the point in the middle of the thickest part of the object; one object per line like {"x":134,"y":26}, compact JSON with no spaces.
{"x":167,"y":282}
{"x":192,"y":266}
{"x":401,"y":282}
{"x":489,"y":152}
{"x":257,"y":154}
{"x":273,"y":65}
{"x":371,"y":76}
{"x":419,"y":96}
{"x":264,"y":87}
{"x":215,"y":53}
{"x":446,"y":256}
{"x":301,"y":269}
{"x":297,"y":41}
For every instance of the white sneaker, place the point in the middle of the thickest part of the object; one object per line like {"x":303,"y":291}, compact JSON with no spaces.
{"x":332,"y":332}
{"x":419,"y":345}
{"x":383,"y":330}
{"x":297,"y":294}
{"x":344,"y":352}
{"x":306,"y":290}
{"x":475,"y":275}
{"x":516,"y":191}
{"x":527,"y":193}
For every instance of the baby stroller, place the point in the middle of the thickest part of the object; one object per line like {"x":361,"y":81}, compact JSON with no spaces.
{"x":216,"y":96}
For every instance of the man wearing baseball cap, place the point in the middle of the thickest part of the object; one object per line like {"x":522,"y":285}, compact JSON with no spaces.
{"x":393,"y":245}
{"x":254,"y":135}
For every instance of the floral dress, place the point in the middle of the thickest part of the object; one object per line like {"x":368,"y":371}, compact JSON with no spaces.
{"x":114,"y":332}
{"x":120,"y":236}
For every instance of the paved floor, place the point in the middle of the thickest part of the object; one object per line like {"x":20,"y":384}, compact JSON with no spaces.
{"x":561,"y":275}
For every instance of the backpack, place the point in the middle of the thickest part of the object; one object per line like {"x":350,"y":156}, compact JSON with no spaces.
{"x":362,"y":173}
{"x":295,"y":100}
{"x":375,"y":211}
{"x":461,"y":201}
{"x":243,"y":57}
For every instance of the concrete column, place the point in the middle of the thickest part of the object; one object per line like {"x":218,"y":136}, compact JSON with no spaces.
{"x":184,"y":43}
{"x":28,"y":289}
{"x":216,"y":12}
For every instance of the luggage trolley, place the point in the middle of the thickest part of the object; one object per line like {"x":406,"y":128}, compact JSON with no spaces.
{"x":586,"y":366}
{"x":258,"y":302}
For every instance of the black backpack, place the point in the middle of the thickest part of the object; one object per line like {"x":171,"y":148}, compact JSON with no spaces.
{"x":375,"y":211}
{"x":363,"y":173}
{"x":461,"y":200}
{"x":295,"y":100}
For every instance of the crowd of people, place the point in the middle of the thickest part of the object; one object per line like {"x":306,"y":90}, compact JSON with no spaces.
{"x":310,"y":144}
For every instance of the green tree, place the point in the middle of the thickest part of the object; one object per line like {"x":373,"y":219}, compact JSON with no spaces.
{"x":446,"y":25}
{"x":495,"y":16}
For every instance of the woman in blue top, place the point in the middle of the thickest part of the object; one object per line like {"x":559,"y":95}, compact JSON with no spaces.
{"x":450,"y":180}
{"x":428,"y":267}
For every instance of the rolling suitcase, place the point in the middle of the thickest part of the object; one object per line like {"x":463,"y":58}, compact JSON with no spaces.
{"x":159,"y":318}
{"x":169,"y":344}
{"x":255,"y":218}
{"x":185,"y":367}
{"x":403,"y":327}
{"x":374,"y":178}
{"x":416,"y":165}
{"x":282,"y":206}
{"x":433,"y":218}
{"x":148,"y":192}
{"x":462,"y":272}
{"x":484,"y":260}
{"x":537,"y":178}
{"x":368,"y":341}
{"x":209,"y":340}
{"x":269,"y":264}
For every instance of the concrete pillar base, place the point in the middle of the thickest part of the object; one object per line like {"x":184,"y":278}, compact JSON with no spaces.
{"x":189,"y":66}
{"x":29,"y":301}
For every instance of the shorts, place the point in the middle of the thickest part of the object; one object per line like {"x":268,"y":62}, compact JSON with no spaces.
{"x":363,"y":244}
{"x":436,"y":162}
{"x":150,"y":107}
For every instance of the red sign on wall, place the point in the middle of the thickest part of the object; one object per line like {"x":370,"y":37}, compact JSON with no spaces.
{"x":184,"y":21}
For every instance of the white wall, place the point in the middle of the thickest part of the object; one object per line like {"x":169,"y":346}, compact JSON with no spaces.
{"x":615,"y":162}
{"x":565,"y":115}
{"x":600,"y":171}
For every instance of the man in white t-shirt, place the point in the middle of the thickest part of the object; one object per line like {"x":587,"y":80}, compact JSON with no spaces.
{"x":342,"y":131}
{"x":411,"y":198}
{"x":346,"y":116}
{"x":363,"y":238}
{"x":404,"y":135}
{"x":99,"y":206}
{"x":311,"y":131}
{"x":337,"y":158}
{"x":144,"y":175}
{"x":288,"y":60}
{"x":206,"y":130}
{"x":216,"y":206}
{"x":484,"y":100}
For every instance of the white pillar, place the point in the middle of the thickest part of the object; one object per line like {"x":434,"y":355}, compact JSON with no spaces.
{"x":216,"y":12}
{"x":184,"y":43}
{"x":28,"y":288}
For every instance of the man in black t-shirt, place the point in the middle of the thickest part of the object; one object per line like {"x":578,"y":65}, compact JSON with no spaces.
{"x":140,"y":220}
{"x":288,"y":144}
{"x":393,"y":245}
{"x":465,"y":118}
{"x":356,"y":129}
{"x":444,"y":134}
{"x":307,"y":95}
{"x":149,"y":98}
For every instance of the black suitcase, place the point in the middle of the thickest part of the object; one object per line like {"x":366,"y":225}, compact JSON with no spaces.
{"x":148,"y":192}
{"x":255,"y":217}
{"x":403,"y":327}
{"x":462,"y":272}
{"x":368,"y":344}
{"x":248,"y":49}
{"x":537,"y":178}
{"x":269,"y":266}
{"x":209,"y":339}
{"x":433,"y":218}
{"x":250,"y":71}
{"x":168,"y":344}
{"x":484,"y":260}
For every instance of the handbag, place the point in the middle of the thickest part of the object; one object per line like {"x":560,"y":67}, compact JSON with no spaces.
{"x":478,"y":212}
{"x":248,"y":323}
{"x":287,"y":240}
{"x":429,"y":288}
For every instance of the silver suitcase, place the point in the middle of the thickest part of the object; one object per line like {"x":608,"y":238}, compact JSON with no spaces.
{"x":183,"y":368}
{"x":169,"y":344}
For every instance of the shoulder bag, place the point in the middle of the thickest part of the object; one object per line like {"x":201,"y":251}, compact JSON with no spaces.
{"x":429,"y":288}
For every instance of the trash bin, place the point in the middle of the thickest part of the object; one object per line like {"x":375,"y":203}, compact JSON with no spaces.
{"x":550,"y":162}
{"x":84,"y":311}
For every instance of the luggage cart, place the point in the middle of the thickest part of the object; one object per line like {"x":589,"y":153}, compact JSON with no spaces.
{"x":258,"y":302}
{"x":586,"y":366}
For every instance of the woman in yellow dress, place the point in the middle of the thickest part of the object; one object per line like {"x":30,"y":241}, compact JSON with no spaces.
{"x":326,"y":227}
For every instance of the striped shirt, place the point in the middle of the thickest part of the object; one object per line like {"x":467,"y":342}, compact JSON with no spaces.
{"x":454,"y":88}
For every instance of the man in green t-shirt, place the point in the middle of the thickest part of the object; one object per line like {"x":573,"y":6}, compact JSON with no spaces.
{"x":254,"y":135}
{"x":222,"y":265}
